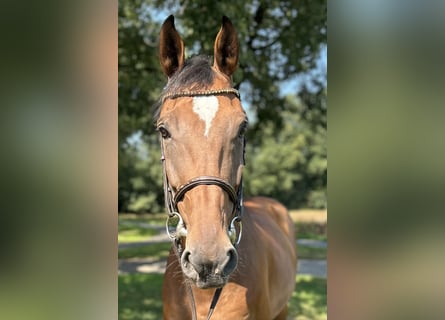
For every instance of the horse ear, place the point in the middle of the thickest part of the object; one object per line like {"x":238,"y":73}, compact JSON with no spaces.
{"x":226,"y":48}
{"x":171,"y":47}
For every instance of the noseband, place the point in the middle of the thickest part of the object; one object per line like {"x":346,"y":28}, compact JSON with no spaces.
{"x":172,"y":205}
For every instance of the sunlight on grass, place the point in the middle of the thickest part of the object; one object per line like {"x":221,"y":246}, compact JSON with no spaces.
{"x":308,"y":301}
{"x":155,"y":250}
{"x":130,"y":233}
{"x":311,"y":253}
{"x":155,"y":219}
{"x":134,"y":228}
{"x":140,"y":297}
{"x":309,"y":215}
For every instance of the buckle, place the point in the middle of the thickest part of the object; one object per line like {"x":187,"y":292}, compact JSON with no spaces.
{"x":175,"y":226}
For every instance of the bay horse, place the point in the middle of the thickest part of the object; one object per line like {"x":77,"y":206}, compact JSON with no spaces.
{"x":230,"y":259}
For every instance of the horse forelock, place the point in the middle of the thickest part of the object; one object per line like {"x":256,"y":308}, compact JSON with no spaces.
{"x":196,"y":74}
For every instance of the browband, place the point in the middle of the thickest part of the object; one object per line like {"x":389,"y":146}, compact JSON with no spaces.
{"x":178,"y":94}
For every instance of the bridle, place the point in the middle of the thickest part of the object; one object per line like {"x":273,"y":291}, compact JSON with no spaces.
{"x":172,"y":204}
{"x":196,"y":93}
{"x":173,"y":198}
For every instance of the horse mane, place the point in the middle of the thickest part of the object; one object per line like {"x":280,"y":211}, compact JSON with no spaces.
{"x":195,"y":74}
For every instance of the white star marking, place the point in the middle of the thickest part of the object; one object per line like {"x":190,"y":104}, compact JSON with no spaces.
{"x":206,"y":107}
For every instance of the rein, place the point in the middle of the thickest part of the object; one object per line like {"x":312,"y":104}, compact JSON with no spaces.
{"x":172,"y":199}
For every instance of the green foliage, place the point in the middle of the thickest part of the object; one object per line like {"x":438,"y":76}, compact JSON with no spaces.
{"x":279,"y":40}
{"x":140,"y":177}
{"x":140,"y":83}
{"x":290,"y":161}
{"x":313,"y":230}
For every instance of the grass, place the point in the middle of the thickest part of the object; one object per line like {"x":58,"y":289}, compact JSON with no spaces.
{"x":311,"y":253}
{"x":129,"y":232}
{"x":310,"y":224}
{"x":309,"y":299}
{"x":140,"y":294}
{"x":156,"y":219}
{"x":312,"y":230}
{"x":155,"y":250}
{"x":140,"y":298}
{"x":133,"y":228}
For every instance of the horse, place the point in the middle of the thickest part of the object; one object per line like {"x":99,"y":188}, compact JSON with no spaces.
{"x":230,"y":258}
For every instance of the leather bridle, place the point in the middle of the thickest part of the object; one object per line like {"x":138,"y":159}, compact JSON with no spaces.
{"x":195,"y":93}
{"x":236,"y":197}
{"x":173,"y":198}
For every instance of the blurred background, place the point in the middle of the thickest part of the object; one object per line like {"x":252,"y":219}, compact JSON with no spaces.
{"x":386,"y":150}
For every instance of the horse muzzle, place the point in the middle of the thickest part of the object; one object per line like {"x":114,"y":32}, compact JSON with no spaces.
{"x":209,"y":273}
{"x":207,"y":268}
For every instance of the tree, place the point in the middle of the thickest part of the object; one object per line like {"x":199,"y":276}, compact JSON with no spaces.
{"x":290,"y":164}
{"x":140,"y":83}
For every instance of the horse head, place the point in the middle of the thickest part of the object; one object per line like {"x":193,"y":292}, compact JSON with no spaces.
{"x":202,"y":123}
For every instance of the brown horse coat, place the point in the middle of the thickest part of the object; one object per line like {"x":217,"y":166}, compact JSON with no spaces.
{"x":264,"y":280}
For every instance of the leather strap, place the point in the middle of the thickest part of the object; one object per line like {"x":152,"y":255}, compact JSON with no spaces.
{"x":174,"y":95}
{"x":205,"y":180}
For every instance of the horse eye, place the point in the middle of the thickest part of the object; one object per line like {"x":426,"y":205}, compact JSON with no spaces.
{"x":164,"y":132}
{"x":242,"y":129}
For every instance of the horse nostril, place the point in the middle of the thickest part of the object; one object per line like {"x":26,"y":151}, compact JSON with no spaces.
{"x":231,"y":262}
{"x":185,"y":259}
{"x":192,"y":262}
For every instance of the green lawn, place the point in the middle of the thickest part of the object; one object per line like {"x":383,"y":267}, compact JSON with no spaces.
{"x":309,"y":300}
{"x":158,"y":219}
{"x":133,"y":228}
{"x":129,"y":232}
{"x":140,"y":298}
{"x":311,"y":253}
{"x":156,"y":250}
{"x":314,"y":231}
{"x":140,"y":294}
